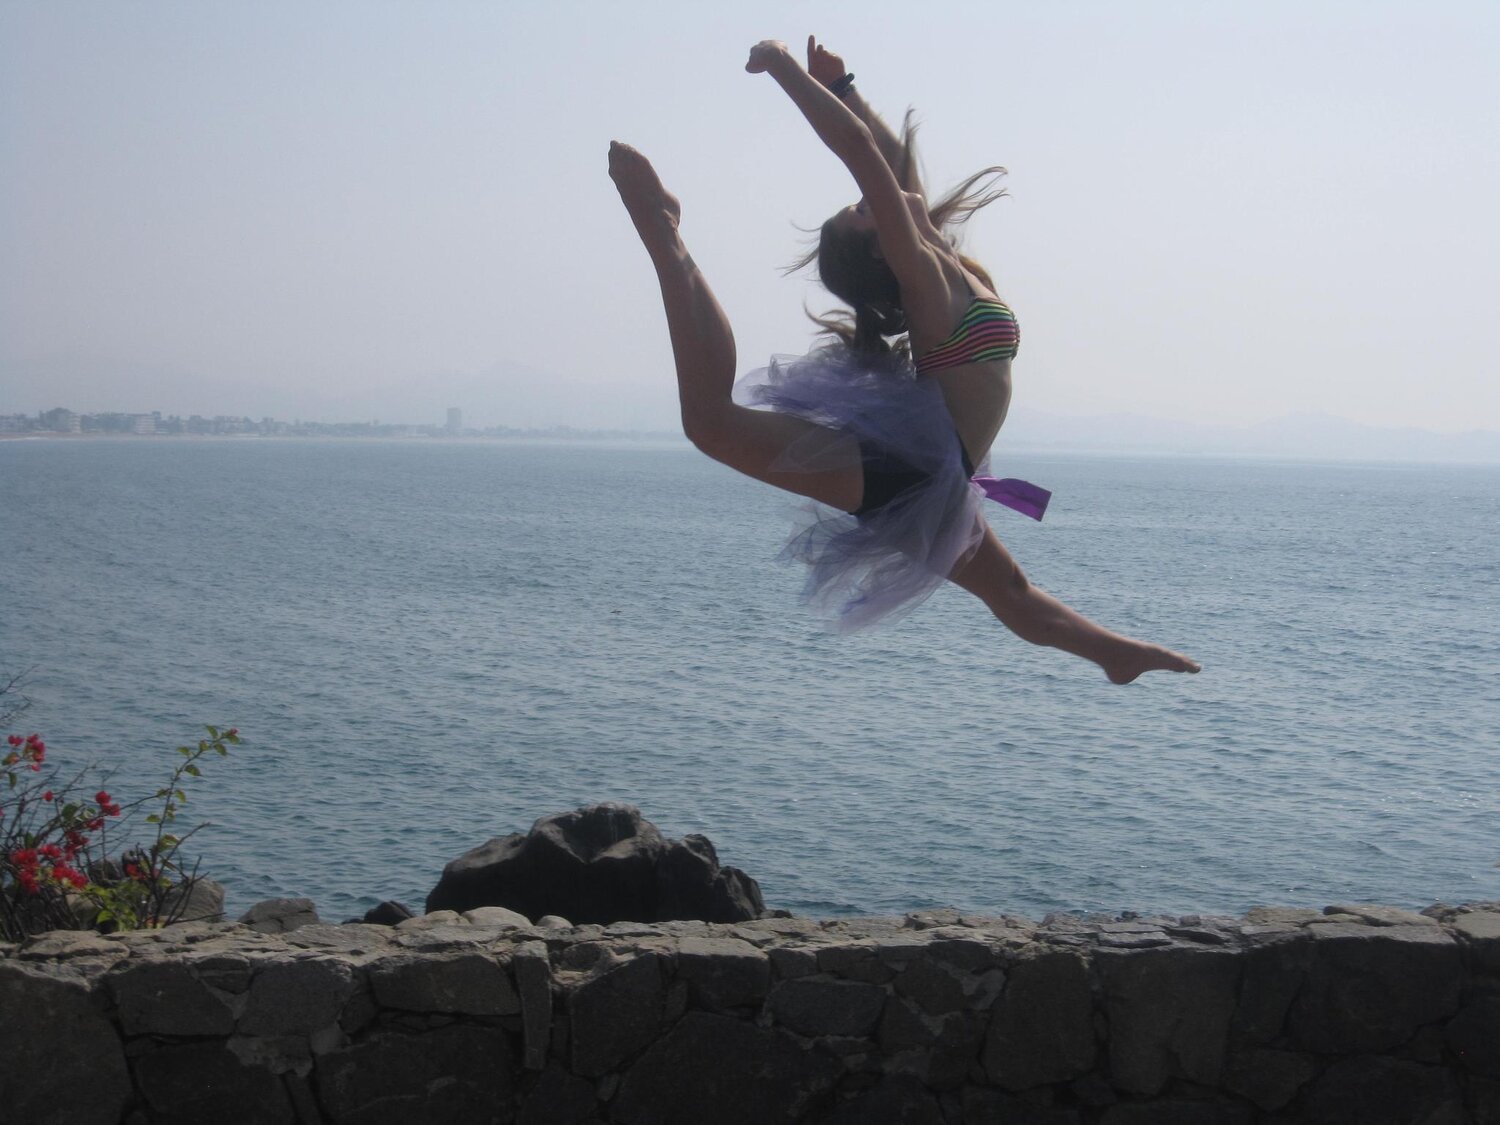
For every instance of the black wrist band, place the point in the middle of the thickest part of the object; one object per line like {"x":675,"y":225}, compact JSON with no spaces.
{"x":842,"y":87}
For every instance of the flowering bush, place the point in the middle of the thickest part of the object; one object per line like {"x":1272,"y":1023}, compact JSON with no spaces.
{"x":54,"y":846}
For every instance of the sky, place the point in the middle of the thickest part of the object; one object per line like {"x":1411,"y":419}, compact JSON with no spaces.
{"x":1220,"y":213}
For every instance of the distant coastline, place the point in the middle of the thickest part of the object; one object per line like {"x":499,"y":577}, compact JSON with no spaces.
{"x":1302,"y":437}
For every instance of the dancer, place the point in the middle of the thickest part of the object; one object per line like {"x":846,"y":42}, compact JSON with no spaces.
{"x":888,"y":445}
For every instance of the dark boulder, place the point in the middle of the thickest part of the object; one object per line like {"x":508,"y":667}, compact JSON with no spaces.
{"x":602,"y":863}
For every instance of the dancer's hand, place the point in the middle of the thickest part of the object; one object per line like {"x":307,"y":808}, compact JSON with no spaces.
{"x":823,"y":64}
{"x":765,"y":54}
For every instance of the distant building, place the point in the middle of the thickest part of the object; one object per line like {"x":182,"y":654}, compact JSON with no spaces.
{"x":142,"y":424}
{"x":455,"y":420}
{"x":61,"y":421}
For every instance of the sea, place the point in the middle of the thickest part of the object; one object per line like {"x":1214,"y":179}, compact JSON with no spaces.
{"x":429,"y":643}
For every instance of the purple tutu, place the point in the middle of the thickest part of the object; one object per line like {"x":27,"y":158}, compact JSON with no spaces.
{"x":887,"y":562}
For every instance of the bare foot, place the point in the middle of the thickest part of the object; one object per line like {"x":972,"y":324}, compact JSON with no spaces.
{"x":653,"y":209}
{"x":1139,"y":657}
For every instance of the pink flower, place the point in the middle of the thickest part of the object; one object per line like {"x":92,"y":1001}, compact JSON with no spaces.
{"x":47,"y":796}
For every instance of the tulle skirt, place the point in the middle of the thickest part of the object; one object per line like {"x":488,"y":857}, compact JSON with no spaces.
{"x":884,"y":563}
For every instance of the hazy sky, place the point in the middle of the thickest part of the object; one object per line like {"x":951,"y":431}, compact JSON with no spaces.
{"x":1221,"y":212}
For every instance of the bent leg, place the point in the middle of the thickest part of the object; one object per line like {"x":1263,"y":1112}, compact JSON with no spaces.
{"x":752,"y":441}
{"x":991,"y":575}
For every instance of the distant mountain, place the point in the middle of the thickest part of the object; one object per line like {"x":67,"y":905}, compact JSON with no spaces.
{"x":1313,"y":436}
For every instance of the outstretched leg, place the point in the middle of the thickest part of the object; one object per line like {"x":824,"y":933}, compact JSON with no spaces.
{"x":991,"y":575}
{"x":752,"y":441}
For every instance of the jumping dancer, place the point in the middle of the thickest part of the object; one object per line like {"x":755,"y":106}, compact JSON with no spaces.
{"x":888,"y":444}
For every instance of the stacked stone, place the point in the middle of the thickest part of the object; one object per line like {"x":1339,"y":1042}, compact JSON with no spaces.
{"x":1357,"y":1014}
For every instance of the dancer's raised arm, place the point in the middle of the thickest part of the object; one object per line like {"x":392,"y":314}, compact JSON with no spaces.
{"x":852,"y":141}
{"x":830,"y":69}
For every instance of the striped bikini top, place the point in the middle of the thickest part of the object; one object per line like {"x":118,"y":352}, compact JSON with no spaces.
{"x":987,"y":332}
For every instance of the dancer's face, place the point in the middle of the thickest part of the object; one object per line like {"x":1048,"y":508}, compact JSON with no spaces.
{"x":855,"y":219}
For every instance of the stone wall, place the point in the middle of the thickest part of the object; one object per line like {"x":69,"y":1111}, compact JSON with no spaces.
{"x":1366,"y":1015}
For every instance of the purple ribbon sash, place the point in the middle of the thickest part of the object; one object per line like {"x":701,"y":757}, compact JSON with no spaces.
{"x":1019,"y":495}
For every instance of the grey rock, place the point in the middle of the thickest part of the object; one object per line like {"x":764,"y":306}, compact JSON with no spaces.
{"x":388,"y":913}
{"x":52,"y":1031}
{"x":533,"y":973}
{"x":557,"y":1098}
{"x":288,"y":997}
{"x":460,"y":1072}
{"x":553,"y":922}
{"x":895,"y":1101}
{"x":1474,"y":1036}
{"x":981,"y":1106}
{"x":495,"y":917}
{"x":1267,"y":1077}
{"x":66,"y":945}
{"x":467,"y":983}
{"x":357,"y":939}
{"x":1041,"y":1028}
{"x":1381,"y":915}
{"x":1380,"y":1091}
{"x":198,"y":1082}
{"x":1143,"y":940}
{"x":854,"y":961}
{"x":1168,"y":1012}
{"x":903,"y":1026}
{"x":954,"y":1052}
{"x":1272,"y":976}
{"x":718,"y":1069}
{"x":1178,"y":1111}
{"x":723,"y":972}
{"x":602,"y":863}
{"x":157,"y":996}
{"x":195,"y":900}
{"x":971,"y":953}
{"x":793,"y":961}
{"x":1480,"y":933}
{"x":1369,"y":988}
{"x":617,"y":1011}
{"x":933,"y":985}
{"x":278,"y":915}
{"x":1281,"y":915}
{"x":815,"y":1006}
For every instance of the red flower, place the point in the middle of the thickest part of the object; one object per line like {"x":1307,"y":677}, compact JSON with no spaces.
{"x":47,"y":796}
{"x":23,"y":857}
{"x":78,"y":880}
{"x":28,"y":882}
{"x":14,"y":740}
{"x":51,"y":851}
{"x":95,"y":824}
{"x":101,"y":798}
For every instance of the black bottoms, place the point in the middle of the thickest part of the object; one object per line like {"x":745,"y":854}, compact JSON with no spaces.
{"x":887,"y":476}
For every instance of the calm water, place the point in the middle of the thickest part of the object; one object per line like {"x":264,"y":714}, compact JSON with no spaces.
{"x":428,"y":644}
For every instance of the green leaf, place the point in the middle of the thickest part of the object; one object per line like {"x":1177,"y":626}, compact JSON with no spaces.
{"x":181,"y":796}
{"x":185,"y":751}
{"x":192,"y":769}
{"x":153,"y":819}
{"x":213,"y":732}
{"x":224,"y":750}
{"x":170,"y":841}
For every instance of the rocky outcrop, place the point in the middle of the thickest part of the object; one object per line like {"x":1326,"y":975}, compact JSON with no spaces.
{"x":599,"y":864}
{"x":1355,"y":1016}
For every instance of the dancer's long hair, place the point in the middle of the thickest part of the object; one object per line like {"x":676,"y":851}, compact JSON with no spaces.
{"x":851,"y":267}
